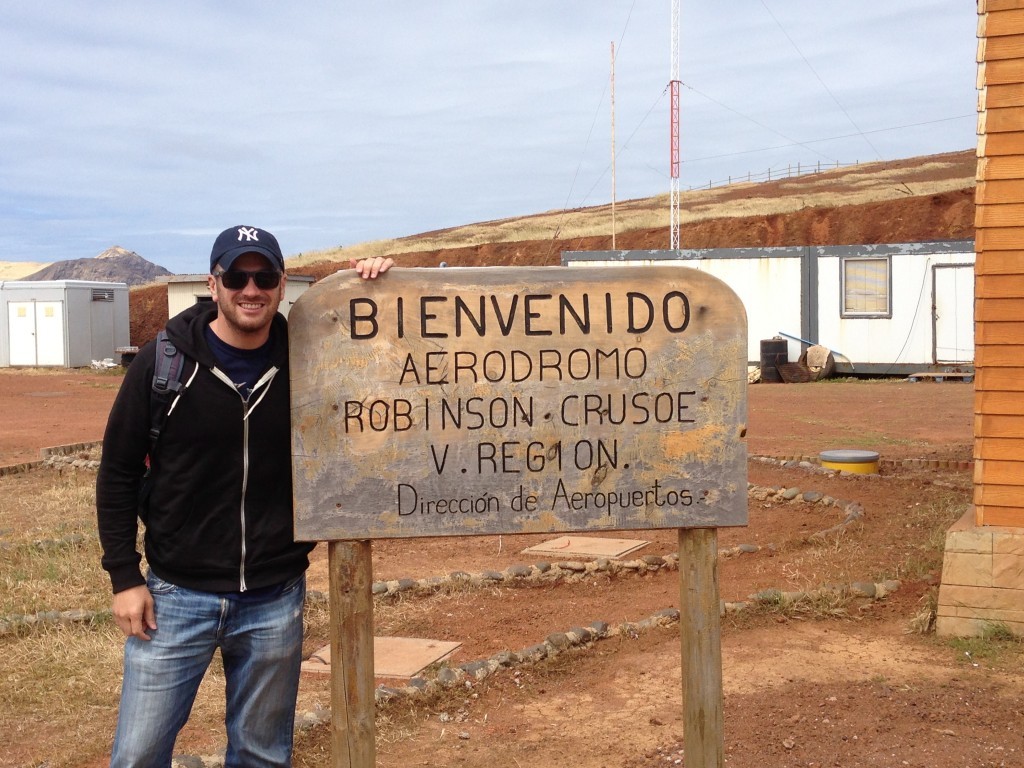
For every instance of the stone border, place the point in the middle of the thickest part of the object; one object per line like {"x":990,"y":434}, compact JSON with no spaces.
{"x":56,"y":455}
{"x":814,"y":463}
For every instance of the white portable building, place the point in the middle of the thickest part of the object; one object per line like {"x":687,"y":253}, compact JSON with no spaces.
{"x":888,"y":309}
{"x":62,"y":323}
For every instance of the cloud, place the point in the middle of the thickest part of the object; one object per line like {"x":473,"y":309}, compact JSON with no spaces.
{"x":154,"y":126}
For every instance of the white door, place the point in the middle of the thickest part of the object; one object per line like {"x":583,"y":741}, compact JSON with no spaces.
{"x":953,"y":313}
{"x":36,"y":331}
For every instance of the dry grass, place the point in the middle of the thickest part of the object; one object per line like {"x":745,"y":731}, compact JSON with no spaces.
{"x":51,"y":556}
{"x":866,"y":183}
{"x":59,"y":697}
{"x":61,"y":683}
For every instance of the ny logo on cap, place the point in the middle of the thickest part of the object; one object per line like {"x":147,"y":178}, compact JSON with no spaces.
{"x":249,"y":233}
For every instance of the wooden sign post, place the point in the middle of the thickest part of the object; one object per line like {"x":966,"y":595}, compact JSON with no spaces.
{"x":463,"y":402}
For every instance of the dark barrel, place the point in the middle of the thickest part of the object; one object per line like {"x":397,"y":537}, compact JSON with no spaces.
{"x":773,"y":352}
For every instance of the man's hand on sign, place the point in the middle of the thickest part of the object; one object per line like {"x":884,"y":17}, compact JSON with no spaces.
{"x":368,"y":269}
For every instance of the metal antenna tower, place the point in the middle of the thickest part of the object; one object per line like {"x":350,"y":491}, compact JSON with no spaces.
{"x":674,"y":83}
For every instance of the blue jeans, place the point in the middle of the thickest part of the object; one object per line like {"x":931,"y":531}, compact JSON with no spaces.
{"x":261,"y":645}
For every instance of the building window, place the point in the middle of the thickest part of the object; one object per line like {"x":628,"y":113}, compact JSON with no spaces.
{"x":102,"y":294}
{"x":866,"y":287}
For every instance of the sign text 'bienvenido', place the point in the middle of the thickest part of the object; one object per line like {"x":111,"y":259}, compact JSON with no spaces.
{"x":474,"y":401}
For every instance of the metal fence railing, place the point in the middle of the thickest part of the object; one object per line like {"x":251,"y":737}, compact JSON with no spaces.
{"x":774,"y":174}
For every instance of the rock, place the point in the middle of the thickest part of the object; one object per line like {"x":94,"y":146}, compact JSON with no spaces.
{"x":475,"y":669}
{"x":449,"y":676}
{"x":505,"y":658}
{"x":886,"y":588}
{"x":582,"y":635}
{"x":863,"y":588}
{"x":790,"y":493}
{"x":671,"y":614}
{"x":558,"y":640}
{"x":519,"y":571}
{"x":767,"y":596}
{"x":536,"y":652}
{"x":812,"y":496}
{"x":384,"y":694}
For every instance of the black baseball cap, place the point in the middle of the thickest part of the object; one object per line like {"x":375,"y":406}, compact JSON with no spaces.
{"x":234,"y":241}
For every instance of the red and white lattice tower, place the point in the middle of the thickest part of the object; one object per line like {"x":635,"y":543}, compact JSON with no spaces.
{"x":674,"y":84}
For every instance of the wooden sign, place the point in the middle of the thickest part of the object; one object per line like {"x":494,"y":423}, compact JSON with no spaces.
{"x":461,"y":401}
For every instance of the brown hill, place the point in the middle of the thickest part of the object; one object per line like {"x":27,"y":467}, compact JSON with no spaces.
{"x":114,"y":265}
{"x":912,"y":200}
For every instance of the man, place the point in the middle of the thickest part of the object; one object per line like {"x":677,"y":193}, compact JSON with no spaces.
{"x":224,"y":569}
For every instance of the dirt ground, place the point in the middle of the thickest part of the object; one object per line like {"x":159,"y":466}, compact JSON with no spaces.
{"x":850,"y":687}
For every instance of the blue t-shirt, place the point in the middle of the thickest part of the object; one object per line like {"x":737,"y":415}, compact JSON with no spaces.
{"x":243,"y":366}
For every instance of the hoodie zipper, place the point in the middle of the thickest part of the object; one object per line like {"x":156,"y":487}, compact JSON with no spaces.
{"x":246,"y":410}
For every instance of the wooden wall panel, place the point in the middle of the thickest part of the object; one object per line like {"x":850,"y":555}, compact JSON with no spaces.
{"x":1009,"y":95}
{"x":999,"y":355}
{"x":999,"y":48}
{"x":999,"y":310}
{"x":990,"y":7}
{"x":1003,"y":473}
{"x":992,"y":191}
{"x":1001,"y":119}
{"x":999,"y":425}
{"x":1000,"y":263}
{"x":1007,"y":379}
{"x":1003,"y":403}
{"x":999,"y":239}
{"x":1008,"y":143}
{"x":997,"y":449}
{"x":1003,"y":72}
{"x":999,"y":495}
{"x":999,"y":267}
{"x":1011,"y":167}
{"x":1000,"y":286}
{"x":1006,"y":215}
{"x":1000,"y":24}
{"x":1009,"y":517}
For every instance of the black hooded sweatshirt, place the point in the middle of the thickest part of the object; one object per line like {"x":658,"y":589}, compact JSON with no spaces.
{"x":219,"y":514}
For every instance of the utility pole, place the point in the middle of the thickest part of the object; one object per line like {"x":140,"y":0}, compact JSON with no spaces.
{"x":613,"y":143}
{"x":674,"y":83}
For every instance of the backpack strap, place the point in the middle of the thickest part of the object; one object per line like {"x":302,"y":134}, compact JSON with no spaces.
{"x":166,"y":384}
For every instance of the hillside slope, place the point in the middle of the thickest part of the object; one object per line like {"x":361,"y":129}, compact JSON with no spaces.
{"x":912,"y":200}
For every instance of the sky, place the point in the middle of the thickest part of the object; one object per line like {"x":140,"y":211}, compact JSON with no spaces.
{"x":154,"y":126}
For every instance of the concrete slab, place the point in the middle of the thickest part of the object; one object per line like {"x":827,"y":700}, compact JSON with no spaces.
{"x":586,"y":546}
{"x":392,"y":656}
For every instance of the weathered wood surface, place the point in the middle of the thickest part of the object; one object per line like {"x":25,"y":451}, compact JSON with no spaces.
{"x":701,"y":646}
{"x":444,"y":402}
{"x":352,"y":703}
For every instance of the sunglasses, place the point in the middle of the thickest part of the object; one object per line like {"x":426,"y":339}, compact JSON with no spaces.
{"x":237,"y":279}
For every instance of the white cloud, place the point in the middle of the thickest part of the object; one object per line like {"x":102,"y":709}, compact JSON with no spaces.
{"x":153,"y":126}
